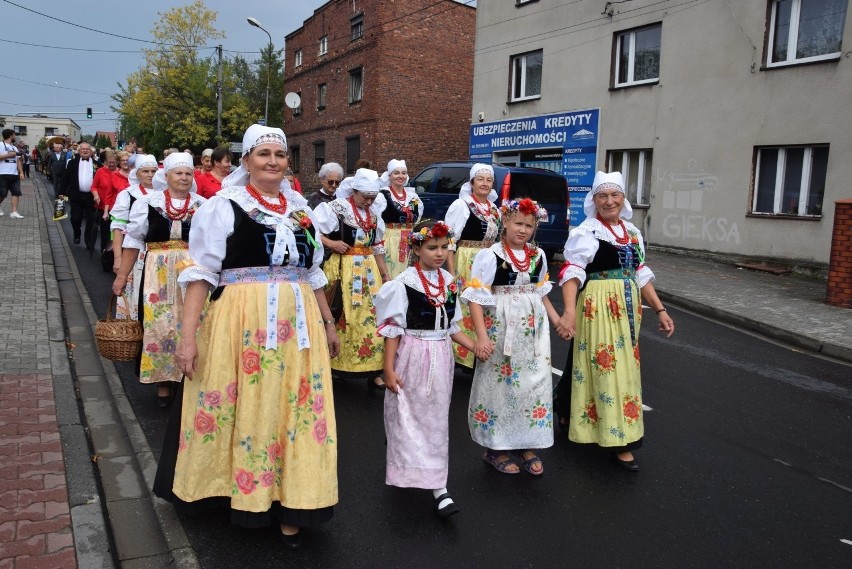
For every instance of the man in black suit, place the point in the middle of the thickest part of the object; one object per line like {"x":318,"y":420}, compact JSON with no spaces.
{"x":77,"y":185}
{"x":55,"y":163}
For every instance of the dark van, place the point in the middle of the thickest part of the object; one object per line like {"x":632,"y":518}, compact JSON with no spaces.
{"x":438,"y":186}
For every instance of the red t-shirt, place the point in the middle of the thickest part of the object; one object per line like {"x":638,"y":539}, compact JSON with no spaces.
{"x":208,"y":185}
{"x":102,"y":184}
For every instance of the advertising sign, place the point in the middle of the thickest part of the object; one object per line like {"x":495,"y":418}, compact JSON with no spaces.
{"x":575,"y":133}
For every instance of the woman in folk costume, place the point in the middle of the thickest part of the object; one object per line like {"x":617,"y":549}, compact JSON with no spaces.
{"x":127,"y":305}
{"x":159,"y":223}
{"x":353,"y":230}
{"x":416,"y":311}
{"x":510,"y":411}
{"x":479,"y":219}
{"x":605,"y":262}
{"x":400,"y":211}
{"x":256,"y":430}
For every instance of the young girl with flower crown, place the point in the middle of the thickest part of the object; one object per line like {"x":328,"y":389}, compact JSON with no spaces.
{"x":510,"y":411}
{"x":418,"y":318}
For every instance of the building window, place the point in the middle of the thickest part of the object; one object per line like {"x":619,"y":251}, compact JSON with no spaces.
{"x":526,"y":76}
{"x":637,"y":56}
{"x":356,"y":85}
{"x":323,"y":45}
{"x":297,"y":58}
{"x":635,"y":165}
{"x":322,"y":88}
{"x":356,"y":24}
{"x":319,"y":154}
{"x":790,"y":180}
{"x":353,"y":152}
{"x":801,"y":31}
{"x":295,"y":159}
{"x":20,"y":130}
{"x":50,"y":131}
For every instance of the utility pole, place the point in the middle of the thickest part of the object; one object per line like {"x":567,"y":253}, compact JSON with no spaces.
{"x":219,"y":96}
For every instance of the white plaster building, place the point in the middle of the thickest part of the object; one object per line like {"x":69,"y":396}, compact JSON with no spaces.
{"x":30,"y":130}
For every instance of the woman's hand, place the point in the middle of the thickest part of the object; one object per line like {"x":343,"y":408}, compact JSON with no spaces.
{"x":186,"y":356}
{"x":666,"y":323}
{"x":567,"y":325}
{"x":339,"y":247}
{"x":393,"y":381}
{"x":333,"y":340}
{"x":119,"y":283}
{"x":483,"y":348}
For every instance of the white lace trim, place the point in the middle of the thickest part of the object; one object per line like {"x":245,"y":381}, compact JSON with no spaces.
{"x":295,"y":202}
{"x":599,"y":230}
{"x":573,"y":272}
{"x":197,"y":273}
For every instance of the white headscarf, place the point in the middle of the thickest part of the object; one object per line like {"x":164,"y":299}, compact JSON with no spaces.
{"x":604,"y":181}
{"x":142,"y":161}
{"x":467,"y":189}
{"x":365,"y":181}
{"x":255,"y":135}
{"x":172,"y":161}
{"x":394,"y":164}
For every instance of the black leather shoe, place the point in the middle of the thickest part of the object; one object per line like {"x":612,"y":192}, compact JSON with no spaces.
{"x":76,"y":241}
{"x":449,"y":509}
{"x":630,"y":465}
{"x":292,"y":541}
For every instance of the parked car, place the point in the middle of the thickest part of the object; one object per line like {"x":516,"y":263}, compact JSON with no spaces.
{"x":438,"y":186}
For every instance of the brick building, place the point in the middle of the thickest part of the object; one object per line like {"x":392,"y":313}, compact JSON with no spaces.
{"x":380,"y":79}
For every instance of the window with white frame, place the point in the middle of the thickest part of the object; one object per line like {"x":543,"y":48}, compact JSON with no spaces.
{"x":297,"y":58}
{"x":356,"y":26}
{"x":323,"y":45}
{"x":356,"y":85}
{"x":322,"y":89}
{"x":790,"y":180}
{"x":637,"y":56}
{"x":50,"y":131}
{"x":635,"y":166}
{"x":801,"y":31}
{"x":526,"y":76}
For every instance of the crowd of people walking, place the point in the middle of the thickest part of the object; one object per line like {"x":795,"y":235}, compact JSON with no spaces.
{"x":254,"y":300}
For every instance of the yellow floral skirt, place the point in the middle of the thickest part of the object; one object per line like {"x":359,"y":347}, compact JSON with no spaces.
{"x":464,"y":262}
{"x":258,"y":425}
{"x":396,"y":247}
{"x":361,"y":349}
{"x":606,"y":388}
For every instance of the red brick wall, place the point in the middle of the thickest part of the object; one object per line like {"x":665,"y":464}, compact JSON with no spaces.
{"x":417,"y":57}
{"x":839,"y":290}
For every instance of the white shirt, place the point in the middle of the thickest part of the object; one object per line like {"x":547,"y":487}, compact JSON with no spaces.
{"x":9,"y":166}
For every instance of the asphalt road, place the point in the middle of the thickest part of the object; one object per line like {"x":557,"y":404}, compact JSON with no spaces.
{"x":746,"y":464}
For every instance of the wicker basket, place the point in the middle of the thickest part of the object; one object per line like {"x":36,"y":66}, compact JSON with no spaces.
{"x":118,"y":340}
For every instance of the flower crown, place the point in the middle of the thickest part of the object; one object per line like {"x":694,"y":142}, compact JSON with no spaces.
{"x":438,"y":230}
{"x":525,"y":206}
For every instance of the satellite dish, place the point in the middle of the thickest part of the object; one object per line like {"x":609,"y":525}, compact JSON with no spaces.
{"x":292,"y":100}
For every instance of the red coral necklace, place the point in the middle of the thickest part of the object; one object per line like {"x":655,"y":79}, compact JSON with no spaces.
{"x":175,"y":213}
{"x":433,"y":298}
{"x":484,"y":213}
{"x":399,"y":198}
{"x":365,"y":224}
{"x":522,"y":266}
{"x":620,"y":240}
{"x":143,"y":190}
{"x":280,"y":207}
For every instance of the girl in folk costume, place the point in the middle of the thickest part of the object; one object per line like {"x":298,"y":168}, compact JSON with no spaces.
{"x":510,"y":410}
{"x":143,"y":176}
{"x":160,"y":223}
{"x":256,"y":431}
{"x":400,"y":211}
{"x":416,"y":311}
{"x":479,"y":219}
{"x":604,"y":261}
{"x":354,"y":231}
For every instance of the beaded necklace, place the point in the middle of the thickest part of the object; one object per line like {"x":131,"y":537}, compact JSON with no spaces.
{"x":483,"y":212}
{"x":279,"y":208}
{"x":620,"y":240}
{"x":143,"y":190}
{"x":437,"y":298}
{"x":399,"y":198}
{"x":522,"y":266}
{"x":175,"y":213}
{"x":366,"y":224}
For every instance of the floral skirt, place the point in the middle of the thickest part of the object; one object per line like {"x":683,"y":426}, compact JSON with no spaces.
{"x":127,"y":306}
{"x":417,"y":419}
{"x":464,"y":262}
{"x":511,"y":400}
{"x":162,"y":308}
{"x":606,"y":390}
{"x":361,"y":349}
{"x":396,"y":247}
{"x":258,"y":425}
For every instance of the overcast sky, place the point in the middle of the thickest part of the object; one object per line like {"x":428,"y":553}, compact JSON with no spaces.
{"x":39,"y":79}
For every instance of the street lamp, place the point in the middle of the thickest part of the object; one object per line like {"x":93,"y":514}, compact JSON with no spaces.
{"x":256,"y":24}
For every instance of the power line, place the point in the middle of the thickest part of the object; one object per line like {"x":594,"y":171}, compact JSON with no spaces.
{"x":55,"y":86}
{"x":54,"y":106}
{"x":70,"y":48}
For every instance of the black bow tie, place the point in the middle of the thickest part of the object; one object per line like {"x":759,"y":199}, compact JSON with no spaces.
{"x":84,"y":159}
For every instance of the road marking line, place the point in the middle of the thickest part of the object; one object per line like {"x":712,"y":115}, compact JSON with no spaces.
{"x":846,"y":541}
{"x":782,"y":462}
{"x":833,"y":483}
{"x":646,"y":408}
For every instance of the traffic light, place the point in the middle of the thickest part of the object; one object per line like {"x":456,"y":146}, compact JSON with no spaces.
{"x":88,"y":112}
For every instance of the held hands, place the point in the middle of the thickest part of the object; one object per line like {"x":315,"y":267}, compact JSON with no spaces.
{"x":393,"y":381}
{"x":567,"y":325}
{"x":483,"y":348}
{"x":186,"y":356}
{"x":666,"y":325}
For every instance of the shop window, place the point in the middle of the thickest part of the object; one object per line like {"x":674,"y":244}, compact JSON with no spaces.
{"x":322,"y":89}
{"x":295,"y":159}
{"x":20,"y":130}
{"x":323,"y":45}
{"x":356,"y":26}
{"x":353,"y":152}
{"x":790,"y":180}
{"x":802,"y":31}
{"x":356,"y":85}
{"x":637,"y":56}
{"x":526,"y":76}
{"x":635,"y":166}
{"x":319,"y":154}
